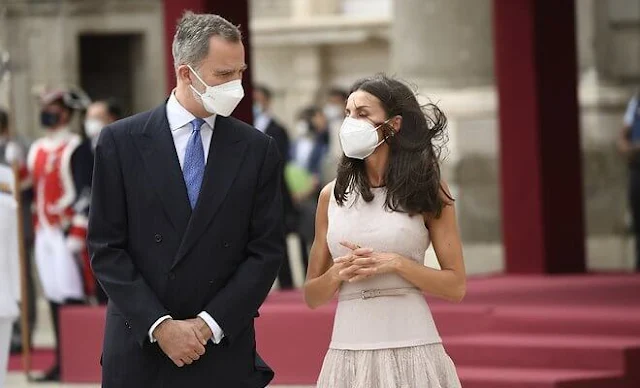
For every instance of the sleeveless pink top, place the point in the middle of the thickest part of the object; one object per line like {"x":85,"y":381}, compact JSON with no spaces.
{"x":385,"y":321}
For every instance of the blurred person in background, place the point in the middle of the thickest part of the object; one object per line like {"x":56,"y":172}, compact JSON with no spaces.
{"x":334,"y":107}
{"x":309,"y":153}
{"x":334,"y":111}
{"x":13,"y":150}
{"x":264,"y":121}
{"x":99,"y":114}
{"x":9,"y":265}
{"x":60,"y":167}
{"x":375,"y":223}
{"x":629,"y":146}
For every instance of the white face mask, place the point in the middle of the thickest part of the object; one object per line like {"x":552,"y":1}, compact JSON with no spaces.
{"x":302,"y":128}
{"x":221,"y":99}
{"x":359,"y":138}
{"x":92,"y":127}
{"x":334,"y":112}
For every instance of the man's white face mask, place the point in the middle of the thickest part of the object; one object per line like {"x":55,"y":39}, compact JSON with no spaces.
{"x":221,"y":99}
{"x":92,"y":128}
{"x":334,"y":111}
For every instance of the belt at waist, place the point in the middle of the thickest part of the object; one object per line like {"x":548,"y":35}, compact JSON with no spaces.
{"x":374,"y":293}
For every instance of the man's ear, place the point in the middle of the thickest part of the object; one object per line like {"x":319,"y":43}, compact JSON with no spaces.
{"x":184,"y":74}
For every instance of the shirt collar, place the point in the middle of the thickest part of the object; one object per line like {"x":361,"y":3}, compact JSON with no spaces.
{"x":58,"y":134}
{"x":178,"y":116}
{"x":262,"y":121}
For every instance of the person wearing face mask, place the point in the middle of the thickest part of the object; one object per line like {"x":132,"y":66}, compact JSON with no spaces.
{"x":60,"y":168}
{"x":100,"y":114}
{"x":186,"y":228}
{"x":629,"y":147}
{"x":310,"y":152}
{"x":265,"y":123}
{"x":334,"y":107}
{"x":374,"y":225}
{"x":334,"y":112}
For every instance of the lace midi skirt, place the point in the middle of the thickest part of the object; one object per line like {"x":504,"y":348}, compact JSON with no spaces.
{"x":424,"y":366}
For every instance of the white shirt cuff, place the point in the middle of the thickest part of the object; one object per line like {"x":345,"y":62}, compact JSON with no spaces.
{"x":156,"y":324}
{"x":218,"y":335}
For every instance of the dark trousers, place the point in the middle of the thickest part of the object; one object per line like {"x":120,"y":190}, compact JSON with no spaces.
{"x":285,"y":276}
{"x":634,"y":201}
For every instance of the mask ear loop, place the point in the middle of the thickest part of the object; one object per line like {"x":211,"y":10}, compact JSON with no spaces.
{"x":390,"y":133}
{"x":199,"y":79}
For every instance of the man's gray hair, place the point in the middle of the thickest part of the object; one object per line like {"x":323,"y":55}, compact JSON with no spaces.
{"x":191,"y":41}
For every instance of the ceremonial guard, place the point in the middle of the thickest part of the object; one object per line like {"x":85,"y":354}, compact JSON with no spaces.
{"x":60,"y":164}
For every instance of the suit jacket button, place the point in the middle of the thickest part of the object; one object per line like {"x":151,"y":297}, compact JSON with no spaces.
{"x":225,"y":244}
{"x":158,"y":237}
{"x":172,"y":276}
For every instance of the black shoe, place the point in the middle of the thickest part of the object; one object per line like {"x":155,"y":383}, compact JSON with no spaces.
{"x":15,"y":348}
{"x":51,"y":376}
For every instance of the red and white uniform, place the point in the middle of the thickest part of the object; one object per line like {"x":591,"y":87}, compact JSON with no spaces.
{"x":59,"y":221}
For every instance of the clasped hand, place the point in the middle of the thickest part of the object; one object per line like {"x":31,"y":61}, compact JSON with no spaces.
{"x":362,"y":263}
{"x":183,"y":341}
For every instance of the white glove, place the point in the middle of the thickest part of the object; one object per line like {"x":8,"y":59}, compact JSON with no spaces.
{"x":75,"y":244}
{"x":13,"y":153}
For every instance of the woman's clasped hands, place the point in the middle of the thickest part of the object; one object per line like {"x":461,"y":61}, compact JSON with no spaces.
{"x":361,"y":263}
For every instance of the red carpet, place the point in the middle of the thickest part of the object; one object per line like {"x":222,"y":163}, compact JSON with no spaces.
{"x":511,"y":331}
{"x":41,"y":360}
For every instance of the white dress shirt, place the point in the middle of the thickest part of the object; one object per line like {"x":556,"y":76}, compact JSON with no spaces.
{"x":630,"y":113}
{"x":262,"y":121}
{"x":180,"y":124}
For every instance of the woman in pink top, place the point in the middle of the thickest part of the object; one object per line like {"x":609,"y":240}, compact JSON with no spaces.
{"x":374,"y":224}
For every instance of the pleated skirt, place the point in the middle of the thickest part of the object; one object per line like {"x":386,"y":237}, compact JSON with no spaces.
{"x":424,"y":366}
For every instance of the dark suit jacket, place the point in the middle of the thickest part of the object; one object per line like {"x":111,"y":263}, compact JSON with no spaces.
{"x":154,"y":256}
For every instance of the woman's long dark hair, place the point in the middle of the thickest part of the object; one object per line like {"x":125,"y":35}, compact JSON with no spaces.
{"x":412,"y":178}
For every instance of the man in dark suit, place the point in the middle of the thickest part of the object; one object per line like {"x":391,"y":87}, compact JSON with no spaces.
{"x":186,"y":229}
{"x":264,"y":122}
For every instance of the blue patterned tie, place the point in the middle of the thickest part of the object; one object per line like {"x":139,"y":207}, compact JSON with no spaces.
{"x":193,"y":168}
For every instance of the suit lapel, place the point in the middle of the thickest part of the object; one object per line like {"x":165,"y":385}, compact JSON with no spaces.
{"x":226,"y":154}
{"x":161,"y":163}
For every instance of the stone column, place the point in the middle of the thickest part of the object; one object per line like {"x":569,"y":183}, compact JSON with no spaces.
{"x":443,"y":43}
{"x":37,"y":49}
{"x":445,"y":48}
